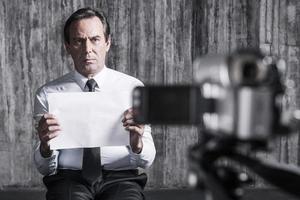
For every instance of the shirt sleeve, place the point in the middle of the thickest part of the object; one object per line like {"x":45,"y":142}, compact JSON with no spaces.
{"x":46,"y":166}
{"x":146,"y":157}
{"x":122,"y":157}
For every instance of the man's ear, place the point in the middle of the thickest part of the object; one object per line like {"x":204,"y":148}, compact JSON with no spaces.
{"x":108,"y":43}
{"x":67,"y":47}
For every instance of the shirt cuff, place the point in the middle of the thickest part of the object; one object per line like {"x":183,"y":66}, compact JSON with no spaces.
{"x":136,"y":158}
{"x":145,"y":158}
{"x":46,"y":166}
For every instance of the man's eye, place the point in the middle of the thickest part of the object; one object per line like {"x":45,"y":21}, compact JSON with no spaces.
{"x":95,"y":40}
{"x":77,"y":42}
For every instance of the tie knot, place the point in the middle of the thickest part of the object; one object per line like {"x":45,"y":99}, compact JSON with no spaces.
{"x":91,"y":84}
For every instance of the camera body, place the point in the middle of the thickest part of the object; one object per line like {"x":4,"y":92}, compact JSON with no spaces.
{"x":238,"y":95}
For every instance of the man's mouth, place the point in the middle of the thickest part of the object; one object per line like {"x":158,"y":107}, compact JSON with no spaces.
{"x":89,"y":60}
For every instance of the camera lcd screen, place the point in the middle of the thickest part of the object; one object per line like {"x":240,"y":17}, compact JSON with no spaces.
{"x":167,"y":105}
{"x":170,"y":106}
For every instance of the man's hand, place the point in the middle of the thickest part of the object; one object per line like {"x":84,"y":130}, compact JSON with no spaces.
{"x":47,"y":129}
{"x":136,"y":131}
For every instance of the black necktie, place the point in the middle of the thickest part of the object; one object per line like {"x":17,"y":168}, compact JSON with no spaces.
{"x":91,"y":162}
{"x":91,"y":84}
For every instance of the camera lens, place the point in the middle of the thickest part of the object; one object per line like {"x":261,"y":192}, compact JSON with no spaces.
{"x":249,"y":71}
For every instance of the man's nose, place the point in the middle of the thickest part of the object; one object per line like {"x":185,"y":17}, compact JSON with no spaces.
{"x":88,"y":46}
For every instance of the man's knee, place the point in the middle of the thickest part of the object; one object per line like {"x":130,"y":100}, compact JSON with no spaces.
{"x":124,"y":190}
{"x":64,"y":188}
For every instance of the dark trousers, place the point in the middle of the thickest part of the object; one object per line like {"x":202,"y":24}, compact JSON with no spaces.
{"x":113,"y":185}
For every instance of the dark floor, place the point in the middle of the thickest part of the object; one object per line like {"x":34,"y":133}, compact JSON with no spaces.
{"x":257,"y":194}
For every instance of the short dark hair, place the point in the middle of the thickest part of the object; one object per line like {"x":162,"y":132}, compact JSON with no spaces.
{"x":84,"y":13}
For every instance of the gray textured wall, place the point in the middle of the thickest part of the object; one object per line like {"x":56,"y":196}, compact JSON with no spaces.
{"x":152,"y":40}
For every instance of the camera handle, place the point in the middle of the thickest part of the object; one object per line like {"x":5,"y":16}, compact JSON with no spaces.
{"x":224,"y":182}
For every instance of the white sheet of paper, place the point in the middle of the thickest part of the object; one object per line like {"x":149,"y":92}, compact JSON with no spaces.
{"x":89,"y":119}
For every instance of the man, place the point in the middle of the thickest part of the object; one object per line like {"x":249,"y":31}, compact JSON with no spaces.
{"x":87,"y":40}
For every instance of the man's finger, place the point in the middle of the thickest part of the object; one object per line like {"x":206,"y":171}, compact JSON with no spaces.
{"x":48,"y":130}
{"x":135,"y":129}
{"x":49,"y":116}
{"x":52,"y":121}
{"x":54,"y":128}
{"x":128,"y":122}
{"x":128,"y":114}
{"x":128,"y":111}
{"x":45,"y":117}
{"x":46,"y":121}
{"x":48,"y":127}
{"x":50,"y":135}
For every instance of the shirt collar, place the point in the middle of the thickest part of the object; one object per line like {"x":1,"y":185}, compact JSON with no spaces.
{"x":99,"y":77}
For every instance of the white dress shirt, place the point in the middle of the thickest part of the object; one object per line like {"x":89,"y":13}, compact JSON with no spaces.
{"x":112,"y":157}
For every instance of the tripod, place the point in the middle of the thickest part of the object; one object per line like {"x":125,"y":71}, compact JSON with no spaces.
{"x":222,"y":182}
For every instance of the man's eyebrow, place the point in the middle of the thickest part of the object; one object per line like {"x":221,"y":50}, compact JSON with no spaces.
{"x":77,"y":37}
{"x":81,"y":37}
{"x":95,"y":37}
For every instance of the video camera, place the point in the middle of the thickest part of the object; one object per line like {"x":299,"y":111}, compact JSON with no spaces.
{"x":237,"y":102}
{"x":239,"y":95}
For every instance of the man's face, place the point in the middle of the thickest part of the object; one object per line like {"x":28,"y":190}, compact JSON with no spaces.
{"x":88,"y":46}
